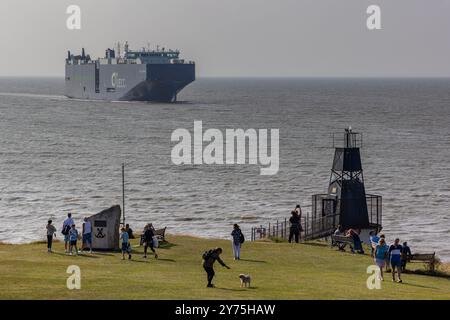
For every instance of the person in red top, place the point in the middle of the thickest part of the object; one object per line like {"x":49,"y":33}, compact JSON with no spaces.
{"x":354,"y":234}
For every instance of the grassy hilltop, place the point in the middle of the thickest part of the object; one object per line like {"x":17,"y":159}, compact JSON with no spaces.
{"x":279,"y":271}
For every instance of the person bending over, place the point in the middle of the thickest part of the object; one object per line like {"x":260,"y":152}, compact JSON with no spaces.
{"x":209,"y":258}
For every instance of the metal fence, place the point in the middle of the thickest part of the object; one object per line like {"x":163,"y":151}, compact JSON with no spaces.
{"x":312,"y":228}
{"x":321,"y":223}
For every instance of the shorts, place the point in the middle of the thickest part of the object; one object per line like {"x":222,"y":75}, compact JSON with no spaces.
{"x":396,"y":263}
{"x":73,"y":242}
{"x":124,"y":246}
{"x":66,"y":238}
{"x":87,"y":237}
{"x":380,"y":262}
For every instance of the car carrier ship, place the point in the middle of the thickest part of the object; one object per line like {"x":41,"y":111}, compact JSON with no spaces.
{"x":144,"y":75}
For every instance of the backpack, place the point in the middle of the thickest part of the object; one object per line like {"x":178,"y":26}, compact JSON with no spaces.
{"x":207,"y":254}
{"x":241,"y":238}
{"x":65,"y":230}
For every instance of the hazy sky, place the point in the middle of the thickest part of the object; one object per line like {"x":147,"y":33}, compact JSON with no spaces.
{"x":236,"y":37}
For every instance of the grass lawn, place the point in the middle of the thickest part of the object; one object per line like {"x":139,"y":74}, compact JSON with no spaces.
{"x":279,"y":271}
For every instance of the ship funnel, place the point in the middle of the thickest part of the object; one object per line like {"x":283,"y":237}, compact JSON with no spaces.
{"x":82,"y":54}
{"x":68,"y":55}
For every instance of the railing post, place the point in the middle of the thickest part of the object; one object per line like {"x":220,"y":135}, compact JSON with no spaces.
{"x":307,"y":224}
{"x":277,"y":228}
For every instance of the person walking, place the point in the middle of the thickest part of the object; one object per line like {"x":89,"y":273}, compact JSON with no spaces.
{"x":51,"y":232}
{"x":87,"y":234}
{"x":238,"y":240}
{"x":147,"y":238}
{"x":381,"y":252}
{"x":125,"y":243}
{"x":209,"y":258}
{"x":67,"y":225}
{"x":395,"y":253}
{"x":406,"y":255}
{"x":295,"y":228}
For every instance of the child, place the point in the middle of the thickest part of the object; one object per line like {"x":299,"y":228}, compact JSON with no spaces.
{"x":125,"y":243}
{"x":51,"y":230}
{"x":73,"y":236}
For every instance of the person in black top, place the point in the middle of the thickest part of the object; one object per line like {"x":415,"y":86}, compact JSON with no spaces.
{"x":295,"y":226}
{"x":129,"y":231}
{"x":209,"y":257}
{"x":406,"y":254}
{"x":147,"y":238}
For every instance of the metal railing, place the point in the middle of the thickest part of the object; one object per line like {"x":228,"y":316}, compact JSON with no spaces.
{"x":321,"y":223}
{"x":311,"y":228}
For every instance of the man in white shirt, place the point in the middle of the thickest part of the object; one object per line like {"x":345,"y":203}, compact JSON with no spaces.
{"x":67,"y":224}
{"x":87,"y":234}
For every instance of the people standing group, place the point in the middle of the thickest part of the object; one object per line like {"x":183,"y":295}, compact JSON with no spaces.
{"x":70,"y":234}
{"x":394,"y":256}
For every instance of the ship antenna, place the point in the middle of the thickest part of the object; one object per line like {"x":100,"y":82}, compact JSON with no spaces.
{"x":126,"y":47}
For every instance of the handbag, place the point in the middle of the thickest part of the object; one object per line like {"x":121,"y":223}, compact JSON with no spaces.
{"x":155,"y":242}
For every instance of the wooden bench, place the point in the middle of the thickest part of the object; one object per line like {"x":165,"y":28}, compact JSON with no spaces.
{"x":341,"y":241}
{"x":160,"y":234}
{"x":429,"y":258}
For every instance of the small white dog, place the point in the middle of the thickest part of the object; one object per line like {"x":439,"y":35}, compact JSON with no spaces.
{"x":245,"y":280}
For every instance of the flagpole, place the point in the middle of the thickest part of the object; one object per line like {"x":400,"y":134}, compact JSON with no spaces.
{"x":123,"y":194}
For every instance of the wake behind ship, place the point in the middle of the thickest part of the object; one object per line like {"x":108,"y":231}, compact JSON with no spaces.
{"x":145,"y":75}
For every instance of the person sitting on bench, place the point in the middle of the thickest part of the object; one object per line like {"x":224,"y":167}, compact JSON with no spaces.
{"x":339,"y":232}
{"x":354,"y":234}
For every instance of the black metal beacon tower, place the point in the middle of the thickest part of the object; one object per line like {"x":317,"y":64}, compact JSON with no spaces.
{"x":346,"y":202}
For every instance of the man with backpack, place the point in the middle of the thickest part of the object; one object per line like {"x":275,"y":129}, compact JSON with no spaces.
{"x":67,"y":225}
{"x":238,"y":240}
{"x":147,"y":239}
{"x":209,"y":257}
